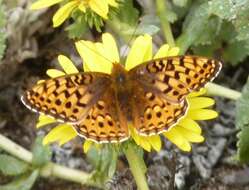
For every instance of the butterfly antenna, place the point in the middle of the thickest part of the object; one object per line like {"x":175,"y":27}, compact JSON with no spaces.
{"x":126,"y":49}
{"x":131,"y":38}
{"x":96,"y":52}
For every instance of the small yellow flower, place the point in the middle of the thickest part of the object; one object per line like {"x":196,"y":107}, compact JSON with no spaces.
{"x":99,"y":57}
{"x":100,"y":7}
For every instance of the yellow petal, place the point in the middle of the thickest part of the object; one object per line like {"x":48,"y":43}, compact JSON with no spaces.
{"x":189,"y":135}
{"x":173,"y":51}
{"x":140,"y":140}
{"x":145,"y":144}
{"x":134,"y":134}
{"x":86,"y":68}
{"x":112,"y":3}
{"x":93,"y":60}
{"x":61,"y":133}
{"x":82,"y":7}
{"x":64,"y":12}
{"x":67,"y":64}
{"x":88,"y":53}
{"x":200,"y":102}
{"x":44,"y":3}
{"x":110,"y":47}
{"x":87,"y":145}
{"x":202,"y":91}
{"x":175,"y":137}
{"x":202,"y":114}
{"x":53,"y":73}
{"x":162,"y":52}
{"x":99,"y":7}
{"x":155,"y":142}
{"x":190,"y":124}
{"x":141,"y":51}
{"x":44,"y":120}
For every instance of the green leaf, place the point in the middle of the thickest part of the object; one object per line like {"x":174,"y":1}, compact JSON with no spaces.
{"x":204,"y":50}
{"x":211,"y":31}
{"x":12,"y":166}
{"x":148,"y":25}
{"x":236,"y":12}
{"x":170,"y":14}
{"x":125,"y":23}
{"x":22,"y":183}
{"x":104,"y":160}
{"x":79,"y":27}
{"x":41,"y":153}
{"x":93,"y":20}
{"x":2,"y":30}
{"x":222,"y":8}
{"x":242,"y":107}
{"x":243,"y":145}
{"x":231,"y":50}
{"x":193,"y":26}
{"x":242,"y":123}
{"x":221,"y":22}
{"x":242,"y":25}
{"x":131,"y":18}
{"x":180,"y":3}
{"x":236,"y":52}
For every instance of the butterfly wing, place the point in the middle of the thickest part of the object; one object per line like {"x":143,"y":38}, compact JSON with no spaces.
{"x":105,"y":121}
{"x":153,"y":114}
{"x":165,"y":83}
{"x":67,"y":98}
{"x":174,"y":77}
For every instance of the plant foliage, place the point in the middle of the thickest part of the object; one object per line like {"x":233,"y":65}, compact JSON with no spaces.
{"x":213,"y":26}
{"x":25,"y":174}
{"x":242,"y":123}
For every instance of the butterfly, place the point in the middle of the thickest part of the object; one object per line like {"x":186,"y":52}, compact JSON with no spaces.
{"x":151,"y":96}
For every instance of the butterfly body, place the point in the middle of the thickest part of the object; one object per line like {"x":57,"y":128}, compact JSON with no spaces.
{"x":122,"y":85}
{"x":151,"y":96}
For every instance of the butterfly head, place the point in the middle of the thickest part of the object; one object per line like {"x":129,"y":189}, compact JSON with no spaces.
{"x":119,"y":74}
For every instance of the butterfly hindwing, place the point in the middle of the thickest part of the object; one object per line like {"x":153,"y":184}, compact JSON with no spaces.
{"x":67,"y":98}
{"x":153,"y":114}
{"x":105,"y":121}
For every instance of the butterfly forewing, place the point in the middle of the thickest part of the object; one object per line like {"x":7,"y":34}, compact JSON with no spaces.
{"x":67,"y":98}
{"x":105,"y":121}
{"x":175,"y":77}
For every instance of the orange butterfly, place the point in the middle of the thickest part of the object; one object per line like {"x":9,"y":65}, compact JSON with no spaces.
{"x":152,"y":96}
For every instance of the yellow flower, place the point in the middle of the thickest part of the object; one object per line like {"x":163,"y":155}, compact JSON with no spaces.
{"x":99,"y":57}
{"x":100,"y":7}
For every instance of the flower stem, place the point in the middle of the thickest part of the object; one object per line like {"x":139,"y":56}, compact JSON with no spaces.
{"x":49,"y":169}
{"x":137,"y":166}
{"x":162,"y":14}
{"x":218,"y":90}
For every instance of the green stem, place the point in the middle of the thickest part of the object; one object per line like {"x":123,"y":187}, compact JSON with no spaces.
{"x":49,"y":169}
{"x":137,"y":166}
{"x":218,"y":90}
{"x":162,"y":14}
